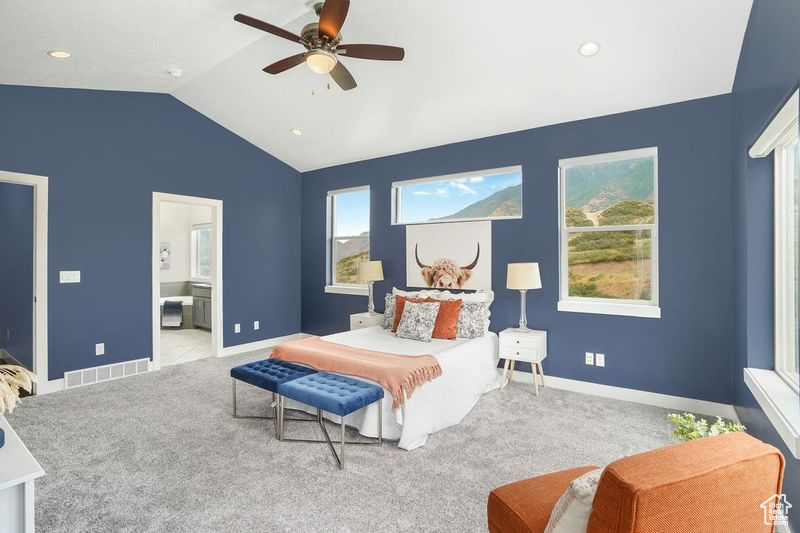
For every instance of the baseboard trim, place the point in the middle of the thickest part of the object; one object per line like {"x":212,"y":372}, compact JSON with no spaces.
{"x":667,"y":401}
{"x":46,"y":387}
{"x":259,"y":345}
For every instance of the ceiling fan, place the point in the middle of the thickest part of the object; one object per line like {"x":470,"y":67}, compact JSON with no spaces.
{"x":323,"y":44}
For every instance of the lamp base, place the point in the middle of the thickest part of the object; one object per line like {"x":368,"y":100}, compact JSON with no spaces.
{"x":523,"y":329}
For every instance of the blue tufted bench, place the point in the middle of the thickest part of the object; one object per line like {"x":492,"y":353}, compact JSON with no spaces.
{"x":335,"y":394}
{"x":268,"y":374}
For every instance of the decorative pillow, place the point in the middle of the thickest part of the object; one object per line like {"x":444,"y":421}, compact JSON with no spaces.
{"x":572,"y":510}
{"x":418,"y":321}
{"x":473,"y":321}
{"x":399,"y":305}
{"x":389,"y":312}
{"x":447,"y":319}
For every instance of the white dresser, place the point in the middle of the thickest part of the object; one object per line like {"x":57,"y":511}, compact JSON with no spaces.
{"x":529,"y":346}
{"x":365,"y":320}
{"x":18,"y":470}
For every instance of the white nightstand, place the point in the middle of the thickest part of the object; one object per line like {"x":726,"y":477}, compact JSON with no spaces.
{"x":529,"y":346}
{"x":365,"y":320}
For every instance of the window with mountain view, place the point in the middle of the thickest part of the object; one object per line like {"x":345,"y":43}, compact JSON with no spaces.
{"x":484,"y":195}
{"x":349,"y":234}
{"x":609,"y":233}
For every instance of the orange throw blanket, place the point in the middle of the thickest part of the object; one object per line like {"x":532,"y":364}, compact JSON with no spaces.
{"x":401,"y":375}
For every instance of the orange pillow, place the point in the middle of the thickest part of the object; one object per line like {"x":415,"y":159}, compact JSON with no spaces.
{"x":446,"y":321}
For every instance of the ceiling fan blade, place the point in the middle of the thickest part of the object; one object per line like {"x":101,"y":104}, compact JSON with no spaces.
{"x":372,"y":51}
{"x":285,"y":64}
{"x":332,"y":17}
{"x":267,"y":27}
{"x":342,"y":77}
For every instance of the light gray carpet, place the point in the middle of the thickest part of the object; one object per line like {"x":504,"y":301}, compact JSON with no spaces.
{"x":161,"y":452}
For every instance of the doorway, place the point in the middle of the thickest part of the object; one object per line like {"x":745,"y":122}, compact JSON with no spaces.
{"x":23,"y":273}
{"x":187,"y":278}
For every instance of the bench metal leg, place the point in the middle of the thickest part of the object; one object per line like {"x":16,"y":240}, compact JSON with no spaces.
{"x":277,"y":415}
{"x":321,"y":421}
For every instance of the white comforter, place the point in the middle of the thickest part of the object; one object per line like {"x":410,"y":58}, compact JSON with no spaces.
{"x":469,"y":369}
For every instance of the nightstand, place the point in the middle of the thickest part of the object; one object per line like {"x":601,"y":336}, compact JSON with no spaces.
{"x":529,"y":346}
{"x":365,"y":320}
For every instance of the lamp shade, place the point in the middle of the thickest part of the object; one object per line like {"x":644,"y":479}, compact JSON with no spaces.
{"x":523,"y":276}
{"x":370,"y":271}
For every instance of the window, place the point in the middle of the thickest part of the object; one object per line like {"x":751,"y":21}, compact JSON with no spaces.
{"x":484,"y":195}
{"x":609,"y":233}
{"x":348,"y":238}
{"x":201,"y":251}
{"x":787,"y":262}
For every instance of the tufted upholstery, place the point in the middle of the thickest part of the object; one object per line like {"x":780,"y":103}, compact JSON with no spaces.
{"x":269,"y":373}
{"x":335,"y":394}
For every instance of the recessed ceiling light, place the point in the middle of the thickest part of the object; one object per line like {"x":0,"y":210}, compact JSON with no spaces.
{"x":175,"y":72}
{"x":59,"y":54}
{"x":296,"y":132}
{"x":589,"y":48}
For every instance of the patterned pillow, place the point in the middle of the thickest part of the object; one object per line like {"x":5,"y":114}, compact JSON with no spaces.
{"x":418,"y":321}
{"x":388,"y":314}
{"x":473,"y":321}
{"x":572,"y":510}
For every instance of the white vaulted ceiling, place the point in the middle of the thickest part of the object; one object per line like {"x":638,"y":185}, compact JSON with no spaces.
{"x":472,"y":68}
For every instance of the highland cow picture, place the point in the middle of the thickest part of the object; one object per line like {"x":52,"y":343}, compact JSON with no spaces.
{"x":457,"y":255}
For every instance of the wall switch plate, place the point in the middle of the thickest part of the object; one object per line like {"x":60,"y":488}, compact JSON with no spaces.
{"x":237,"y":328}
{"x":600,"y":359}
{"x":69,"y":276}
{"x":256,"y":325}
{"x":589,"y":358}
{"x":100,"y":348}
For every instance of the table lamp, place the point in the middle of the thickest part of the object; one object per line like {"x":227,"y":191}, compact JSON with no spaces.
{"x":370,"y":271}
{"x":521,"y":277}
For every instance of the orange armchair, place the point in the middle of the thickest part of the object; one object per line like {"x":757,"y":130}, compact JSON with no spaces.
{"x":711,"y":484}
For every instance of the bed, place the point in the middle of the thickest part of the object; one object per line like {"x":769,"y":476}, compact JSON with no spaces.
{"x":469,"y":369}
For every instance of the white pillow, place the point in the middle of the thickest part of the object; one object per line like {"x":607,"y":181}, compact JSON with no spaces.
{"x":478,"y":296}
{"x":572,"y":510}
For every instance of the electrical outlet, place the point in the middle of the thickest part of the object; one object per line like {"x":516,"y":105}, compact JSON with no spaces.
{"x":100,"y":348}
{"x":589,"y":358}
{"x":600,"y":359}
{"x":256,"y":325}
{"x":237,"y":328}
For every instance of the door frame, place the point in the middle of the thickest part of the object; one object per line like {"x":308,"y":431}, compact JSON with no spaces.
{"x":40,"y":208}
{"x":216,"y":268}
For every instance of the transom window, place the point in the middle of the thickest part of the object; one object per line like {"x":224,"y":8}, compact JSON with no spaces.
{"x":482,"y":195}
{"x":609,"y":233}
{"x":787,"y":262}
{"x":348,"y":235}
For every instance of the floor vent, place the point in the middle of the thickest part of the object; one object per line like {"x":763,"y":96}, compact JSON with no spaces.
{"x":88,"y":376}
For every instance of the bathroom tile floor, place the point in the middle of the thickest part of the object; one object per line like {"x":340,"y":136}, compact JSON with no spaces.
{"x":184,"y":345}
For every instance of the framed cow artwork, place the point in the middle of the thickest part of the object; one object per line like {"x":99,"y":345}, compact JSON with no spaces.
{"x":455,"y":255}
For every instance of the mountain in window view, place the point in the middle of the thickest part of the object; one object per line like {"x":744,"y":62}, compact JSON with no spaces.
{"x":598,"y":186}
{"x":503,"y":203}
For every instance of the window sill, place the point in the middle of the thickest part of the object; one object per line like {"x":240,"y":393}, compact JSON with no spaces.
{"x":779,"y":402}
{"x":606,"y":308}
{"x":347,"y":289}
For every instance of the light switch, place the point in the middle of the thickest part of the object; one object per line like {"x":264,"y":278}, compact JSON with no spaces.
{"x":69,"y":276}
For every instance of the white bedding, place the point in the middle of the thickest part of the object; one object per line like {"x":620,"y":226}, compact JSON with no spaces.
{"x":469,"y":369}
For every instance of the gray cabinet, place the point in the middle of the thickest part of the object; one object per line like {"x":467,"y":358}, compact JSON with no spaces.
{"x":202,"y":309}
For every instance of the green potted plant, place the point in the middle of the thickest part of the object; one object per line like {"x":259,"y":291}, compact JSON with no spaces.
{"x":12,"y":379}
{"x":688,"y":427}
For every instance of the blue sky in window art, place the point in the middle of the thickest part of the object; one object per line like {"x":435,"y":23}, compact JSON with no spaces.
{"x":466,"y":197}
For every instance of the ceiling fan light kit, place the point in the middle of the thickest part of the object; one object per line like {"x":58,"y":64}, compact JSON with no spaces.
{"x":322,"y":42}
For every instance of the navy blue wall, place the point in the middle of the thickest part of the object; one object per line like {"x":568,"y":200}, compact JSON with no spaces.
{"x":768,"y":72}
{"x":685,"y":353}
{"x":16,"y":271}
{"x":105,"y":153}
